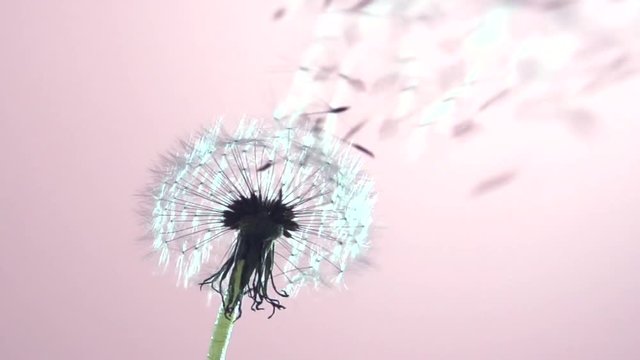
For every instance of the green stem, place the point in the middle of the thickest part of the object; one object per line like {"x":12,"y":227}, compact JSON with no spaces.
{"x":224,"y":323}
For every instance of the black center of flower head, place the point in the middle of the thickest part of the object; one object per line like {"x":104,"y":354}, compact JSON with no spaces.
{"x":260,"y":214}
{"x":258,"y":221}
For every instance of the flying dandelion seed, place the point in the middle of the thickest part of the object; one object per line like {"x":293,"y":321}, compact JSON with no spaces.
{"x":273,"y":208}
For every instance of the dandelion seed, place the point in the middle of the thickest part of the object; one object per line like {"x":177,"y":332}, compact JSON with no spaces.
{"x":363,"y":149}
{"x":278,"y":14}
{"x":265,"y":166}
{"x":463,"y":128}
{"x":339,"y":109}
{"x":356,"y":84}
{"x":501,"y":95}
{"x":260,"y":213}
{"x":354,"y":130}
{"x":336,"y":110}
{"x":494,"y":182}
{"x":360,"y":5}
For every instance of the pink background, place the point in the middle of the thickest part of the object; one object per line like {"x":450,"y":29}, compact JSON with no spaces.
{"x":544,"y":267}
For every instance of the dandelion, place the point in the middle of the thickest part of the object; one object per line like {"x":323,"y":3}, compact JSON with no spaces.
{"x":257,"y":214}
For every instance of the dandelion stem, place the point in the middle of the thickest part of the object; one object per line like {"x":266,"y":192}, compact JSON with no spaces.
{"x":224,"y":322}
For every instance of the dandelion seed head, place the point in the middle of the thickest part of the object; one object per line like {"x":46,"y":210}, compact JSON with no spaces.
{"x":293,"y":206}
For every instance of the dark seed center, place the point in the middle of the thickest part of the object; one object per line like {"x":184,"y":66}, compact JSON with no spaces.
{"x":259,"y":215}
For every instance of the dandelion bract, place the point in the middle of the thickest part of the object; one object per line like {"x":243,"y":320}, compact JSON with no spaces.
{"x":279,"y":207}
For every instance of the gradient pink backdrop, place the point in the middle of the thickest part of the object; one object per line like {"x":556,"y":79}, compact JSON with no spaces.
{"x":545,"y":267}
